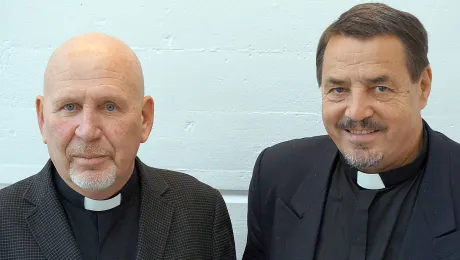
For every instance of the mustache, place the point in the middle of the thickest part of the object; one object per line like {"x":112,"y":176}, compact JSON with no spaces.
{"x":87,"y":149}
{"x":368,"y":123}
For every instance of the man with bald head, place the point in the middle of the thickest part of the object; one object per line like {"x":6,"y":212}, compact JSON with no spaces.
{"x":94,"y":198}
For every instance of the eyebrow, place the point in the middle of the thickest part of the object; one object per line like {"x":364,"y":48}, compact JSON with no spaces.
{"x":72,"y":97}
{"x":336,"y":81}
{"x":378,"y":80}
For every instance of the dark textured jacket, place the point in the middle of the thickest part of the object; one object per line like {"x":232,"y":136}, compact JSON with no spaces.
{"x":180,"y":218}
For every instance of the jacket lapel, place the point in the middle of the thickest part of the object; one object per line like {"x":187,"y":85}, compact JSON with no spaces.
{"x":47,"y":221}
{"x":155,"y":214}
{"x":297,"y":223}
{"x":432,"y":230}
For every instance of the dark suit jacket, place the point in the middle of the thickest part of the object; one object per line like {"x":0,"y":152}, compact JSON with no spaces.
{"x":288,"y":192}
{"x":180,"y":218}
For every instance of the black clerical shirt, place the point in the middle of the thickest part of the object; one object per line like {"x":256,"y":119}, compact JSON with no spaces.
{"x":101,"y":235}
{"x":364,"y":224}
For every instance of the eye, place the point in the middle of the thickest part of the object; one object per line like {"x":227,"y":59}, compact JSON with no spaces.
{"x":381,"y":89}
{"x":337,"y":90}
{"x":110,"y":107}
{"x":69,"y":107}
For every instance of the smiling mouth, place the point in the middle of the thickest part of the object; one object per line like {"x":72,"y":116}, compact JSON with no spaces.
{"x":361,"y":132}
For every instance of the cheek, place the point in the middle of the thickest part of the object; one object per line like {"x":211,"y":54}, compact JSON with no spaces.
{"x":398,"y":111}
{"x":61,"y":132}
{"x":331,"y":113}
{"x":124,"y":138}
{"x":121,"y":133}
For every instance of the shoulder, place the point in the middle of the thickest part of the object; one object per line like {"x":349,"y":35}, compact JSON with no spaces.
{"x":183,"y":188}
{"x":298,"y":146}
{"x":286,"y":159}
{"x":442,"y":146}
{"x":281,"y":168}
{"x":182,"y":182}
{"x":13,"y":193}
{"x":448,"y":143}
{"x":13,"y":206}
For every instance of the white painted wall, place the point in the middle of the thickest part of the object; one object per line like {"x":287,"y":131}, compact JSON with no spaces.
{"x":229,"y":78}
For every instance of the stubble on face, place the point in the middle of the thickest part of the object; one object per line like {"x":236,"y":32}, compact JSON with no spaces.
{"x":80,"y":67}
{"x":91,"y":178}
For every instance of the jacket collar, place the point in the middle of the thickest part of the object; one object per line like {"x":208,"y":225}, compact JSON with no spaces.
{"x":46,"y":219}
{"x":156,"y":214}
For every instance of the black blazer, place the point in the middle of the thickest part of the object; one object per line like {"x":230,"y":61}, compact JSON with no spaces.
{"x":180,"y":218}
{"x":288,"y":192}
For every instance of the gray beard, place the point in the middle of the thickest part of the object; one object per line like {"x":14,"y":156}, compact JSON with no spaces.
{"x":363,"y":162}
{"x":97,"y":182}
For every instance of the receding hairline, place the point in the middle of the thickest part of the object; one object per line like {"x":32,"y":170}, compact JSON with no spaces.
{"x":105,"y":45}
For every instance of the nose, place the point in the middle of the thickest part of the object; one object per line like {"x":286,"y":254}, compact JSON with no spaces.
{"x":359,"y":105}
{"x":89,"y":126}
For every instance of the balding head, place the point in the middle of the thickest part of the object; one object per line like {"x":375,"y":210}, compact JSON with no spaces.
{"x":93,"y":114}
{"x":81,"y":55}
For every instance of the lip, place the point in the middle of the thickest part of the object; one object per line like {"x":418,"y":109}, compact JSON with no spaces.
{"x":89,"y":159}
{"x":362,"y":135}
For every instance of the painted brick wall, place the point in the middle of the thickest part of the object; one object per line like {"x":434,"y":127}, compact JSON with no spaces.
{"x":229,"y":78}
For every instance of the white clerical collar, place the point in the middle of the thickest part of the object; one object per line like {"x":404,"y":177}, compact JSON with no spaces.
{"x":371,"y":181}
{"x":102,"y":205}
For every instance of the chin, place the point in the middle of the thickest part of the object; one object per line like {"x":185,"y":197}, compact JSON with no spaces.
{"x":93,"y":180}
{"x":363,"y":158}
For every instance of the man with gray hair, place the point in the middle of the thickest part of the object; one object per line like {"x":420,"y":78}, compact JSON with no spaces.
{"x":380,"y":185}
{"x":95,"y":199}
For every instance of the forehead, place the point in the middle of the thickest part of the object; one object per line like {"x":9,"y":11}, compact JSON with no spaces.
{"x":381,"y":54}
{"x":73,"y":72}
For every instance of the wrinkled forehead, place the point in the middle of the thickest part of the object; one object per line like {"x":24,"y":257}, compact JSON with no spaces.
{"x":347,"y":57}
